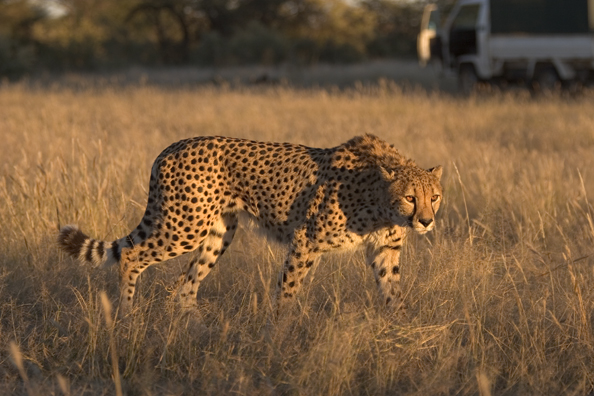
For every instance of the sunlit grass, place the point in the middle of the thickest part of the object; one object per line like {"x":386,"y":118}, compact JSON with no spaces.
{"x":500,"y":294}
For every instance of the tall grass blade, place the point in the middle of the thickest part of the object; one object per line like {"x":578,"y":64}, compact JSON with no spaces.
{"x":107,"y":309}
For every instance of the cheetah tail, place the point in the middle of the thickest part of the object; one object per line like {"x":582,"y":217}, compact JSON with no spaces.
{"x":86,"y":249}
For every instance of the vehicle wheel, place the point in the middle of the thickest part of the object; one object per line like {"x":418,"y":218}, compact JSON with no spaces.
{"x":467,"y":79}
{"x":546,"y":82}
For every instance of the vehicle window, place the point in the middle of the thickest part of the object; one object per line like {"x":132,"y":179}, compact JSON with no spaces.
{"x":433,"y":20}
{"x":467,"y":17}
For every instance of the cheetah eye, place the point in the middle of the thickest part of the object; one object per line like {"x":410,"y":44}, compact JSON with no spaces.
{"x":434,"y":198}
{"x":410,"y":198}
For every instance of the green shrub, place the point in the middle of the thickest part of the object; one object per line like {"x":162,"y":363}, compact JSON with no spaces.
{"x":340,"y":53}
{"x":254,"y":44}
{"x":15,"y":60}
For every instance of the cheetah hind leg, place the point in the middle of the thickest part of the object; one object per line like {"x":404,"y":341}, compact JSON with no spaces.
{"x":209,"y":251}
{"x":131,"y":266}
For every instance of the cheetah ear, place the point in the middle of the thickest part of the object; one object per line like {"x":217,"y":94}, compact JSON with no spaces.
{"x":436,"y":171}
{"x":387,"y":175}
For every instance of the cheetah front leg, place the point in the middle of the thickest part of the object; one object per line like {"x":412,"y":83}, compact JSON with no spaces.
{"x":298,"y":263}
{"x":386,"y":269}
{"x":385,"y":261}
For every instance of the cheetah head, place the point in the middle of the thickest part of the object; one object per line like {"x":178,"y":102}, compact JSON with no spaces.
{"x":415,"y":195}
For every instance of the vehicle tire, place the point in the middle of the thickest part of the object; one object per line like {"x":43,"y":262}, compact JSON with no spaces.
{"x":546,"y":81}
{"x":467,"y":79}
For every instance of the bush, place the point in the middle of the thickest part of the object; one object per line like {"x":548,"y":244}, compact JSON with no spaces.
{"x":392,"y":45}
{"x":255,"y":44}
{"x":15,"y":60}
{"x":305,"y":51}
{"x":258,"y":44}
{"x":340,"y":53}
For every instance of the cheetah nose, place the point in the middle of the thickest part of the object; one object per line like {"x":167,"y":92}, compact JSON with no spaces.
{"x":426,"y":222}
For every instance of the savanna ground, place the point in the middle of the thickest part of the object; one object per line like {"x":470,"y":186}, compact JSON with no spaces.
{"x":500,"y":294}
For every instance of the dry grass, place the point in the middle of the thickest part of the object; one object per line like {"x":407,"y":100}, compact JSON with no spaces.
{"x":500,"y":294}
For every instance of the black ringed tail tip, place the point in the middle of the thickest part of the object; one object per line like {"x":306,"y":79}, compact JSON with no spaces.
{"x":71,"y":240}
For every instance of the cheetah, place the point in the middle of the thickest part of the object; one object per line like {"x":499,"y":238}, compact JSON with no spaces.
{"x":361,"y":193}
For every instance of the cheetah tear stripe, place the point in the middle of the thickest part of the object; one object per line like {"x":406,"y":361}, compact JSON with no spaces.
{"x":360,"y":193}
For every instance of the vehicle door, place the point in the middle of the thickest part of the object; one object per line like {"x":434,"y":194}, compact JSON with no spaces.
{"x":463,"y":31}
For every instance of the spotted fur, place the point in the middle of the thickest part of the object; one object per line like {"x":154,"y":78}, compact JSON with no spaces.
{"x":362,"y":192}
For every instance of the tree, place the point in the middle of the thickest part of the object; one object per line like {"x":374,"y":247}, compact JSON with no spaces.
{"x":338,"y":22}
{"x":17,"y":42}
{"x":398,"y":23}
{"x":176,"y":23}
{"x":179,"y":25}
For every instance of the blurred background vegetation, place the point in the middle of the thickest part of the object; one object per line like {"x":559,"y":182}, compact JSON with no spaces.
{"x":92,"y":35}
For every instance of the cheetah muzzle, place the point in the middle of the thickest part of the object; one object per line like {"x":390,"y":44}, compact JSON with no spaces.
{"x":361,"y":193}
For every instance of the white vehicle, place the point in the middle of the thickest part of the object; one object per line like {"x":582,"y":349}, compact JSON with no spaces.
{"x":545,"y":44}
